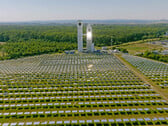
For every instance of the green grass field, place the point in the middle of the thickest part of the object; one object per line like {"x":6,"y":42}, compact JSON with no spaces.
{"x":140,"y":46}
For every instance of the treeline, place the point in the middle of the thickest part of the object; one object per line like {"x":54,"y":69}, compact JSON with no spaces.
{"x":26,"y":40}
{"x":19,"y":33}
{"x":151,"y":55}
{"x":33,"y":47}
{"x":102,"y":33}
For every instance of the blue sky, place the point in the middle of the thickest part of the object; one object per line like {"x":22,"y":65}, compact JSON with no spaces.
{"x":29,"y":10}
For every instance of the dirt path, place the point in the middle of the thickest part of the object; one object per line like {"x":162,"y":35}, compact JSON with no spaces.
{"x":143,"y":77}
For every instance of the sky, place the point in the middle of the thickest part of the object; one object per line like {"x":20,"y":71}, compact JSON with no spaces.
{"x":43,"y":10}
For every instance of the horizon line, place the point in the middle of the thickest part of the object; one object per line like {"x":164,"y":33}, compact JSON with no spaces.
{"x":83,"y":20}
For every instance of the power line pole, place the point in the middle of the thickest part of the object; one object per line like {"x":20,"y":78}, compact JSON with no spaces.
{"x":111,"y":41}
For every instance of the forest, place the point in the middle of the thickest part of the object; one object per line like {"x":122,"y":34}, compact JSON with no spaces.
{"x":28,"y":40}
{"x":34,"y":47}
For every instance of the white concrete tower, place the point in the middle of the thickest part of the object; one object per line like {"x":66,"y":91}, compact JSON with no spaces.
{"x":80,"y":36}
{"x":89,"y":38}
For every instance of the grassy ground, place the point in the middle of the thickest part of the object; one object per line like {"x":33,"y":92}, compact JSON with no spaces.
{"x":1,"y":43}
{"x":1,"y":54}
{"x":140,"y":46}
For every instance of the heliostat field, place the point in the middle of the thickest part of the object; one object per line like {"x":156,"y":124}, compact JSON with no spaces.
{"x":86,"y":89}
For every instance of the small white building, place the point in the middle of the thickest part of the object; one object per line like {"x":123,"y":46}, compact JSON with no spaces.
{"x":104,"y":48}
{"x":164,"y":52}
{"x":166,"y":33}
{"x":155,"y":52}
{"x":116,"y":51}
